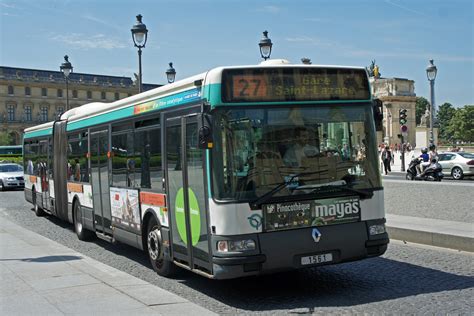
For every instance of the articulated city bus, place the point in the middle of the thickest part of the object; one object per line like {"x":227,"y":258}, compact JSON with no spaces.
{"x":238,"y":171}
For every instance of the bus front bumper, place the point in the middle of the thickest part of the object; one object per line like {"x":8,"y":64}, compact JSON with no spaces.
{"x":293,"y":249}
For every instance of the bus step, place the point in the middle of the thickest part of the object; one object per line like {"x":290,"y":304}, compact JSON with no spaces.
{"x":105,"y":237}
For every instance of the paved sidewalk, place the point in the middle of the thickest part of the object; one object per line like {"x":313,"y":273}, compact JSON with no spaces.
{"x":433,"y":232}
{"x":41,"y":277}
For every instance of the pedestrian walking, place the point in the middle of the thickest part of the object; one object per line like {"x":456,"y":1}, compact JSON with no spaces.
{"x":387,"y":158}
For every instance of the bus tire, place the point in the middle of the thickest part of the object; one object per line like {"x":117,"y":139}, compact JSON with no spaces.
{"x":154,"y":248}
{"x":38,"y":210}
{"x":82,"y":233}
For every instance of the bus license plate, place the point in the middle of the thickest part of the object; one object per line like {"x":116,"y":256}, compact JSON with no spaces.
{"x":327,"y":257}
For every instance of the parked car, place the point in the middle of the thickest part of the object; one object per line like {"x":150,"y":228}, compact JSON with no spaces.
{"x":457,"y":164}
{"x":11,"y":176}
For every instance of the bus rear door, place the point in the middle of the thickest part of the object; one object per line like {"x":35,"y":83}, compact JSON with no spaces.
{"x":99,"y":149}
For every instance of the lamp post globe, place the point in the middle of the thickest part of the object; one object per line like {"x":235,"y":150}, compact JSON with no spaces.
{"x":170,"y":73}
{"x":66,"y":69}
{"x":431,"y":72}
{"x":265,"y":45}
{"x":139,"y":36}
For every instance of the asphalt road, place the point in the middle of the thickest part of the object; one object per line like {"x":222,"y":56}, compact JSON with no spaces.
{"x":408,"y":279}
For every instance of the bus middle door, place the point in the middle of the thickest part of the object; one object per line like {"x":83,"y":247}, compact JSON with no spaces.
{"x":186,"y":194}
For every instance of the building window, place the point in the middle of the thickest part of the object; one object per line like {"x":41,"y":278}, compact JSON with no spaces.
{"x":11,"y":112}
{"x":28,"y":113}
{"x":44,"y":92}
{"x":89,"y":95}
{"x":74,"y":94}
{"x":44,"y":114}
{"x":27,"y":91}
{"x":102,"y":95}
{"x":11,"y":90}
{"x":117,"y":96}
{"x":59,"y":111}
{"x":60,"y":93}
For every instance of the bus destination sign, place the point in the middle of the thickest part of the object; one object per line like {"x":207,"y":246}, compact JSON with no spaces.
{"x":294,"y":84}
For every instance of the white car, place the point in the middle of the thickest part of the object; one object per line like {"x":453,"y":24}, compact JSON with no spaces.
{"x":11,"y":176}
{"x":457,"y":164}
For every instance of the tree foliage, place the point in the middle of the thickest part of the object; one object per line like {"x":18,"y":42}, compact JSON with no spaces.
{"x":421,"y":105}
{"x":5,"y":139}
{"x":461,"y":125}
{"x":444,"y":115}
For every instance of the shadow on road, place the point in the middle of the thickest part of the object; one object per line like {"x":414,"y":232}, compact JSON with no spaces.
{"x":349,"y":284}
{"x":46,"y":259}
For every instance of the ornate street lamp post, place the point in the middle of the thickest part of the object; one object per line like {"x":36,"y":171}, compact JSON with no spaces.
{"x":66,"y":69}
{"x":431,"y":71}
{"x":265,"y":46}
{"x":170,"y":73}
{"x":139,"y":36}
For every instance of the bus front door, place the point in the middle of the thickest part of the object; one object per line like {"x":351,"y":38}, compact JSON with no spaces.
{"x":99,"y":149}
{"x":186,"y":194}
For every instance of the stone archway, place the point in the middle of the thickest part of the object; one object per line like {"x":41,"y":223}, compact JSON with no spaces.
{"x":14,"y":138}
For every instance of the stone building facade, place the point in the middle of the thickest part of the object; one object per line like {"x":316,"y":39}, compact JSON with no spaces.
{"x":395,"y":94}
{"x":30,"y":97}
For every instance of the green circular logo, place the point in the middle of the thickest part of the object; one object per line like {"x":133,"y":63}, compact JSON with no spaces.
{"x":195,"y":217}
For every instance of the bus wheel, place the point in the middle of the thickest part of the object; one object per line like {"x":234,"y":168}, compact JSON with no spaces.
{"x":81,"y":232}
{"x":162,"y":265}
{"x":38,"y":210}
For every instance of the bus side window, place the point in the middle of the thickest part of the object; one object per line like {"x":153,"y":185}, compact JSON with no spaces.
{"x":123,"y":161}
{"x":78,"y":167}
{"x":148,"y":171}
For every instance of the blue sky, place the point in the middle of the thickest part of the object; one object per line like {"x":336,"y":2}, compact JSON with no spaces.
{"x":401,"y":35}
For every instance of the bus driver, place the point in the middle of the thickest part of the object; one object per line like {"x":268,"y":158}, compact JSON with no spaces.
{"x":300,"y":149}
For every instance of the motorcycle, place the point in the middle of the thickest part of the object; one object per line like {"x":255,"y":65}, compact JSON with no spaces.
{"x":434,"y":172}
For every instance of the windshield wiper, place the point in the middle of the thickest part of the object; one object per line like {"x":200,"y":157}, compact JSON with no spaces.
{"x":341,"y":188}
{"x":259,"y":201}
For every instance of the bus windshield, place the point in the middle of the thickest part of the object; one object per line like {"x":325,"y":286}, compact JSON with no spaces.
{"x":301,"y":147}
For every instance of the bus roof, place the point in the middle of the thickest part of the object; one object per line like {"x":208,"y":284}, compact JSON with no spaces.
{"x":161,"y":97}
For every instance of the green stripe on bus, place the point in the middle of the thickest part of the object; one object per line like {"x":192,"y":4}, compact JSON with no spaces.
{"x":102,"y":118}
{"x":43,"y":132}
{"x":180,"y":98}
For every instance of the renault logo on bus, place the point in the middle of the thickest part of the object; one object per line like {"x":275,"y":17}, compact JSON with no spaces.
{"x":316,"y":235}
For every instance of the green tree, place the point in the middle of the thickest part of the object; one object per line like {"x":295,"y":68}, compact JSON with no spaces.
{"x":421,"y":105}
{"x":5,"y":139}
{"x":461,"y":125}
{"x":444,"y":115}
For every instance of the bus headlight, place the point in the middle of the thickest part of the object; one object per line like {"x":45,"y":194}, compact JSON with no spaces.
{"x":376,"y":229}
{"x":235,"y":245}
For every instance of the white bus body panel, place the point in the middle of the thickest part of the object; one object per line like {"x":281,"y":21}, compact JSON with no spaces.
{"x":85,"y":197}
{"x":234,"y":219}
{"x":162,"y":213}
{"x":28,"y":183}
{"x":373,"y":208}
{"x":51,"y":189}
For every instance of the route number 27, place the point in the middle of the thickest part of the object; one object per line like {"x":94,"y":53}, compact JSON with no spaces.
{"x":249,"y":87}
